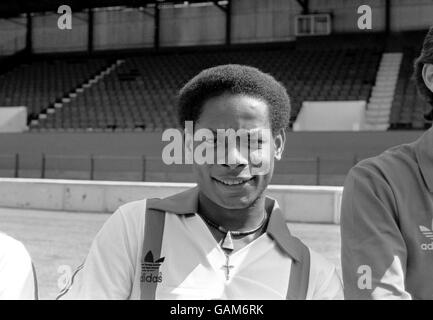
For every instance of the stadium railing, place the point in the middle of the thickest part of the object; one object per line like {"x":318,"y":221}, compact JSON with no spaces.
{"x":150,"y":168}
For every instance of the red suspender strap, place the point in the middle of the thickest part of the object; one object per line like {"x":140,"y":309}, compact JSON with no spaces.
{"x":150,"y":261}
{"x":299,"y":275}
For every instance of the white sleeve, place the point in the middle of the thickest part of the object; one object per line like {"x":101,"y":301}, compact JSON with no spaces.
{"x":109,"y":269}
{"x":325,"y":283}
{"x":17,"y":280}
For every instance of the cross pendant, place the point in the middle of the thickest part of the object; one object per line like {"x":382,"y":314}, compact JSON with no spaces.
{"x":227,"y":267}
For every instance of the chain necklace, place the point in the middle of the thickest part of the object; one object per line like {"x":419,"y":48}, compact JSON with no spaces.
{"x":228,"y":241}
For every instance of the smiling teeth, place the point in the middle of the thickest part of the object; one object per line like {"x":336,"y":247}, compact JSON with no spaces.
{"x":232,"y":182}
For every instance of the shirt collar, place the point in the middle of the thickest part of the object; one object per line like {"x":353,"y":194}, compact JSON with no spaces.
{"x":186,"y":202}
{"x":424,"y":155}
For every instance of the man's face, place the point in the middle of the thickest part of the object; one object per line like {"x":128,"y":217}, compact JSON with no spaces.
{"x":237,"y":185}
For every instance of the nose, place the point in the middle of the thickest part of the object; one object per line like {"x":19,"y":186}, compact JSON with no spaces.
{"x":236,"y":158}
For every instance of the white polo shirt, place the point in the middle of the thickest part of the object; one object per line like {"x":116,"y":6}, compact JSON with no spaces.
{"x":193,"y":266}
{"x":17,"y":281}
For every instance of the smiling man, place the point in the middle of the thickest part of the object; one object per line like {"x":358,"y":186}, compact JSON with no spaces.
{"x":223,"y":239}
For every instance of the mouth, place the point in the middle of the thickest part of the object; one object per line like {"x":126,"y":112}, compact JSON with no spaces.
{"x":233,"y":182}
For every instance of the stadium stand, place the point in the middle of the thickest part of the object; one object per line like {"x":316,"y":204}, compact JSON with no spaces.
{"x":39,"y":85}
{"x":138,"y":93}
{"x":380,"y":102}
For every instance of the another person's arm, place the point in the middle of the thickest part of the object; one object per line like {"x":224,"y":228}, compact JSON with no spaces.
{"x":17,"y":276}
{"x":373,"y":250}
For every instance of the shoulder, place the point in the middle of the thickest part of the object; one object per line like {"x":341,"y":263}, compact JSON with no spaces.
{"x":12,"y":250}
{"x":386,"y":177}
{"x":131,"y":212}
{"x":17,"y":278}
{"x":399,"y":161}
{"x":133,"y":209}
{"x":9,"y":245}
{"x":128,"y":219}
{"x":125,"y":224}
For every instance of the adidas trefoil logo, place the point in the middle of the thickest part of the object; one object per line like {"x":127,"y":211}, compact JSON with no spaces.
{"x":428,"y":233}
{"x":150,"y":268}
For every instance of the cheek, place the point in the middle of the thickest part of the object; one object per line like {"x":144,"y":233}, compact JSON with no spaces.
{"x":201,"y":172}
{"x":262,"y":160}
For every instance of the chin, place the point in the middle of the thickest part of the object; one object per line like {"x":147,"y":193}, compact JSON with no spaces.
{"x":236,"y":203}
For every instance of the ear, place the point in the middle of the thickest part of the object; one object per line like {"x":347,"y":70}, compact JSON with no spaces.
{"x":279,"y":142}
{"x":427,"y":75}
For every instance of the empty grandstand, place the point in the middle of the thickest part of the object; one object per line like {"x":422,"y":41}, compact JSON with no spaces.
{"x":136,"y":90}
{"x":140,"y":93}
{"x":39,"y":85}
{"x":129,"y":62}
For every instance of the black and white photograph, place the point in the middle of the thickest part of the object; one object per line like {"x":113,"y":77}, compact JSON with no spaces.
{"x":237,"y":150}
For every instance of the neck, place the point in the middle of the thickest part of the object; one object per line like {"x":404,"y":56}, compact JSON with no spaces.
{"x":233,"y":219}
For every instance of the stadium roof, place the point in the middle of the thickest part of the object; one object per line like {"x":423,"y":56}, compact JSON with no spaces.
{"x":13,"y":8}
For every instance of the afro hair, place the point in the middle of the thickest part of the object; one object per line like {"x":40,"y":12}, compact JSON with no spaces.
{"x":426,"y":57}
{"x":235,"y":79}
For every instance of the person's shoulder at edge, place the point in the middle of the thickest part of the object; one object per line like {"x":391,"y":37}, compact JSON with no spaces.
{"x":11,"y":247}
{"x":128,"y":220}
{"x":16,"y":274}
{"x":397,"y":159}
{"x":133,"y":209}
{"x":131,"y":214}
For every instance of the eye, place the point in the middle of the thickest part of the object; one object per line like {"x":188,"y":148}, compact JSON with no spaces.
{"x":256,"y":143}
{"x":212,"y":141}
{"x":259,"y":145}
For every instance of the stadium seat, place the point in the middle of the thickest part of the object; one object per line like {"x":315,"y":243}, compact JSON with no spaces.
{"x":139,"y":91}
